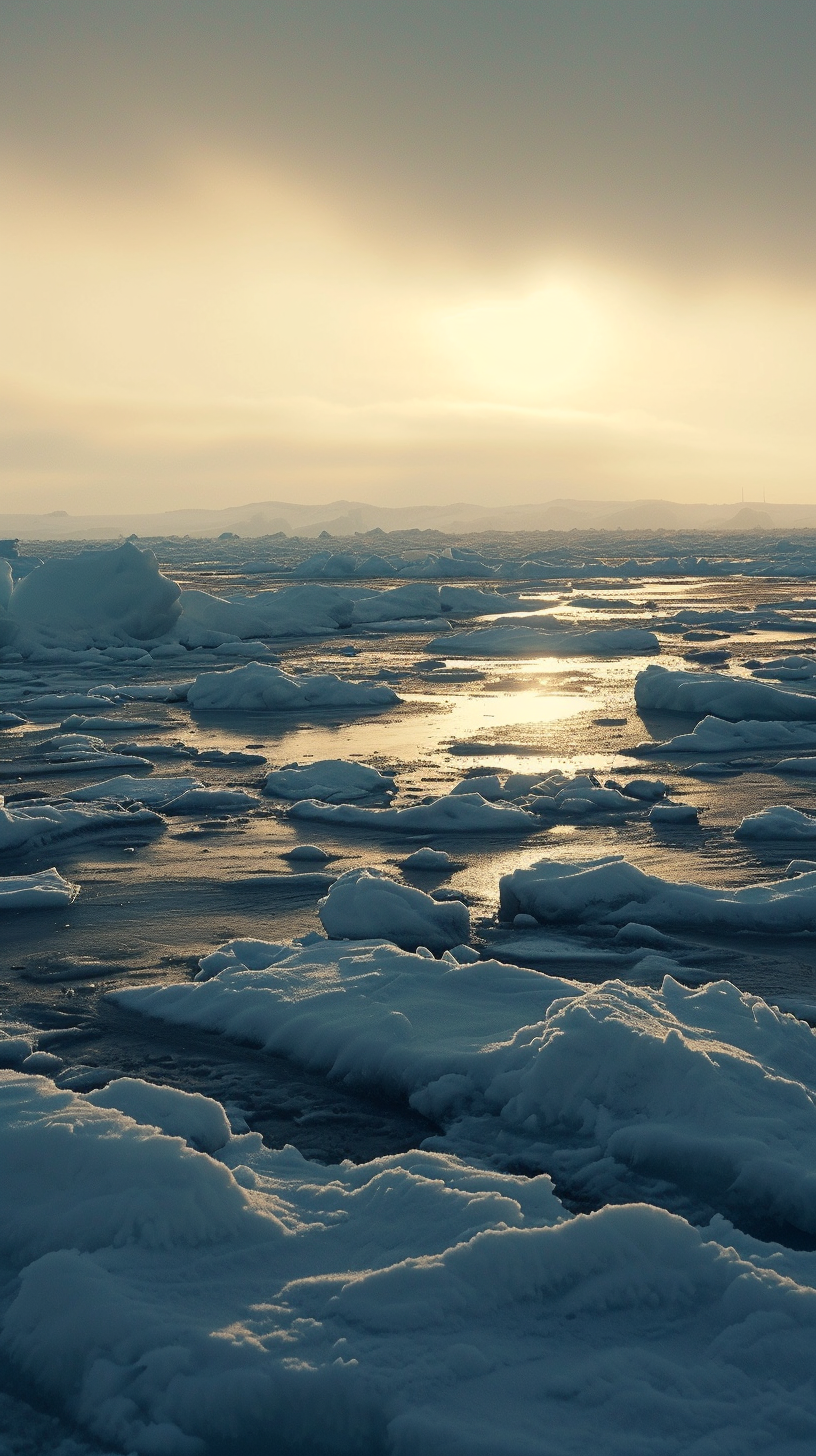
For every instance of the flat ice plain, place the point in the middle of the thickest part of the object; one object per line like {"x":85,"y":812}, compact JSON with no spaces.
{"x":409,"y":980}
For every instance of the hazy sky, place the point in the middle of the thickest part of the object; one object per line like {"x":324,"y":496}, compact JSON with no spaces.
{"x":489,"y":250}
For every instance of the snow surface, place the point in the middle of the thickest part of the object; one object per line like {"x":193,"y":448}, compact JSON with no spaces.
{"x":333,"y":780}
{"x":611,"y":891}
{"x":179,"y":1304}
{"x":257,"y":687}
{"x":201,"y":1121}
{"x":673,"y":691}
{"x":366,"y":904}
{"x":709,"y":1089}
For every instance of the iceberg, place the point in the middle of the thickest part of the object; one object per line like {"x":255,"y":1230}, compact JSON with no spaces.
{"x":96,"y":597}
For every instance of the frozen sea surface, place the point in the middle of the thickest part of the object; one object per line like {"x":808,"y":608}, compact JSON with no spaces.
{"x":159,"y":894}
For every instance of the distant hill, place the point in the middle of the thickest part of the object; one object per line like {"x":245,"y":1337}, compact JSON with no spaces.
{"x":344,"y":518}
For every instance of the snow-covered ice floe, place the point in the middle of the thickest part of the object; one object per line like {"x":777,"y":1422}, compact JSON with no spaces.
{"x":451,"y":814}
{"x":779,"y":822}
{"x":177,"y":1304}
{"x":716,"y":735}
{"x":533,"y":642}
{"x":613,"y":892}
{"x":674,"y":691}
{"x":127,"y":788}
{"x":333,"y":780}
{"x":258,"y":687}
{"x":29,"y":826}
{"x":708,"y":1089}
{"x":367,"y":904}
{"x":41,"y":891}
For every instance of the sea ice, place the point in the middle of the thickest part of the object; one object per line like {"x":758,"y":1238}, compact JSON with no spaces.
{"x":258,"y":687}
{"x":129,"y":789}
{"x":332,"y":780}
{"x":199,"y":1120}
{"x":669,"y":691}
{"x":452,"y":814}
{"x":29,"y":826}
{"x":779,"y":822}
{"x":41,"y":891}
{"x":613,"y":892}
{"x":365,"y":904}
{"x":96,"y":597}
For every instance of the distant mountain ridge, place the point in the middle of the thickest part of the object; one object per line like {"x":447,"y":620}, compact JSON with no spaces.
{"x":344,"y":518}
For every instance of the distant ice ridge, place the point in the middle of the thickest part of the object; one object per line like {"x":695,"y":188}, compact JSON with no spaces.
{"x":618,"y":1087}
{"x":176,"y":1304}
{"x":611,"y":891}
{"x":701,"y":693}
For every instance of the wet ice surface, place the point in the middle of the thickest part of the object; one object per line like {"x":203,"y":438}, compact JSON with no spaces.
{"x":152,"y":903}
{"x":154,"y":900}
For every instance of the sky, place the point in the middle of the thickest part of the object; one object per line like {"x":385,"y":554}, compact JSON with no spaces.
{"x":501,"y":251}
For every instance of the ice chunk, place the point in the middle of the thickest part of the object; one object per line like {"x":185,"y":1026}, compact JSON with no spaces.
{"x":615,"y":892}
{"x":258,"y":687}
{"x":453,"y":814}
{"x":667,"y":691}
{"x":427,"y":859}
{"x":199,"y":1120}
{"x":780,"y":822}
{"x":28,"y":826}
{"x":715,"y":735}
{"x":674,"y":814}
{"x":129,"y":789}
{"x":332,"y":780}
{"x":306,"y":851}
{"x":40,"y":891}
{"x":649,"y":789}
{"x":488,"y":785}
{"x":211,"y":801}
{"x":97,"y":596}
{"x":366,"y":904}
{"x":796,"y":766}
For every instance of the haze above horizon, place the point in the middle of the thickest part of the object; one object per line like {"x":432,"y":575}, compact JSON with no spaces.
{"x":406,"y":255}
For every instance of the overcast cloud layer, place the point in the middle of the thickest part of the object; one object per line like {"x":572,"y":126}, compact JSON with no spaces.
{"x":402,"y":251}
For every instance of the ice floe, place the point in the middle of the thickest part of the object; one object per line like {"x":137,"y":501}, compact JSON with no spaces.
{"x":41,"y":891}
{"x":258,"y":687}
{"x":613,"y":892}
{"x":779,"y":822}
{"x":332,"y":780}
{"x":673,"y":691}
{"x":717,"y":735}
{"x":25,"y":826}
{"x":366,"y":904}
{"x":452,"y":814}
